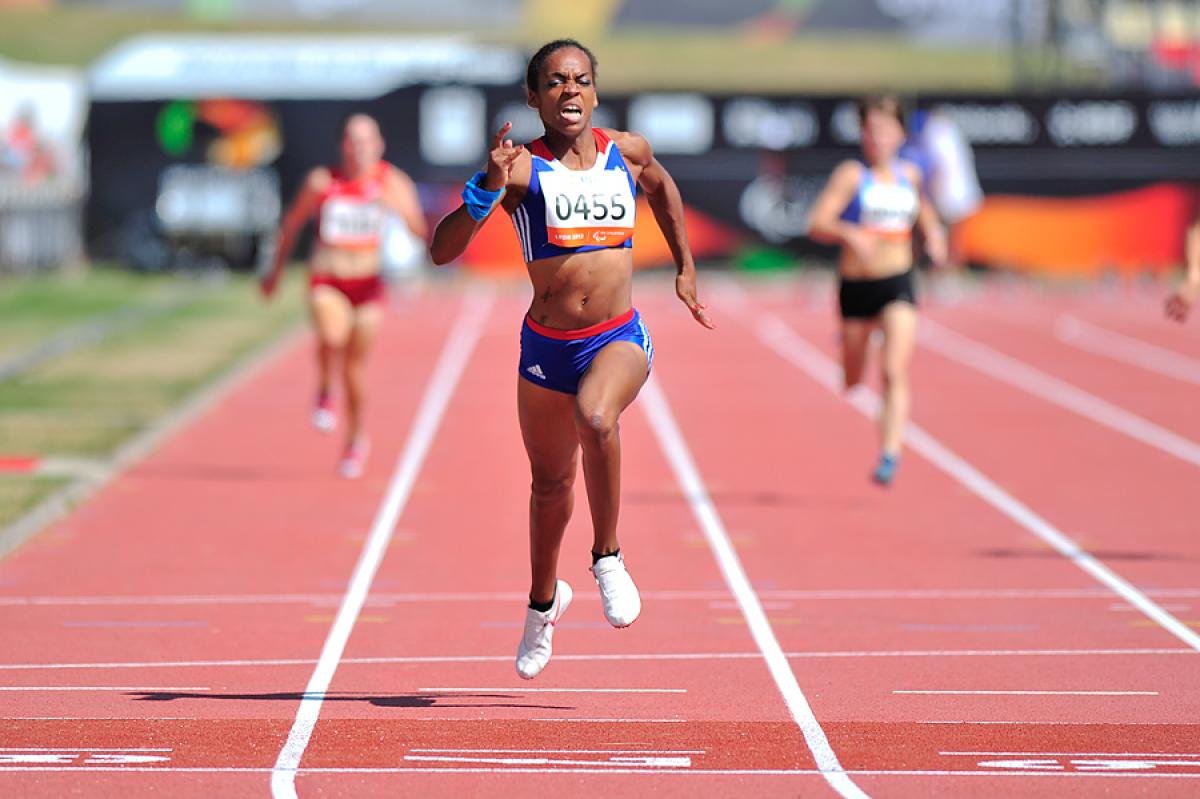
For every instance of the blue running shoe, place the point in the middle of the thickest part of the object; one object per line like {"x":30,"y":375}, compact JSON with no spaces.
{"x":885,"y":472}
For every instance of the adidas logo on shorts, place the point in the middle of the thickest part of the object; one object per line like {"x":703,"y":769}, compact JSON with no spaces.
{"x":536,"y":371}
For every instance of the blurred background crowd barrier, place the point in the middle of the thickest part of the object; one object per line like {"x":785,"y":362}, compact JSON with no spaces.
{"x":1083,"y":117}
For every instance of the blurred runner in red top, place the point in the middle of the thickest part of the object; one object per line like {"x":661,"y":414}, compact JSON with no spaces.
{"x":351,"y":203}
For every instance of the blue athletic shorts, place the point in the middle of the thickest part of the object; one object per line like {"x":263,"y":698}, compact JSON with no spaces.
{"x":558,"y":359}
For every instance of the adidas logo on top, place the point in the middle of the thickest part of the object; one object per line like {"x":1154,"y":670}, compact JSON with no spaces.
{"x":536,"y":371}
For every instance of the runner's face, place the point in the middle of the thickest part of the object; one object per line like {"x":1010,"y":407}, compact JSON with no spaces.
{"x":882,"y":135}
{"x":362,"y":144}
{"x":566,"y":92}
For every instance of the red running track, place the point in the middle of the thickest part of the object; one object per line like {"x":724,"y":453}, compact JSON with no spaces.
{"x":161,"y":639}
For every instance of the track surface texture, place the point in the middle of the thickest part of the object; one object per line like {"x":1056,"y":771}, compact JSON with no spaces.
{"x":1017,"y":614}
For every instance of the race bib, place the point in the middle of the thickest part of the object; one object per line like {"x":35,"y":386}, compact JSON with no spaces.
{"x":347,"y":222}
{"x":889,"y":208}
{"x":594,"y":208}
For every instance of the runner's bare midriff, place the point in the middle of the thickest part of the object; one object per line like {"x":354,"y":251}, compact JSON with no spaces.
{"x":581,"y":289}
{"x":891,"y":258}
{"x":343,"y":262}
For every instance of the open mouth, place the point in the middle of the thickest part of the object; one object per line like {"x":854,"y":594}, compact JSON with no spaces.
{"x":571,"y":112}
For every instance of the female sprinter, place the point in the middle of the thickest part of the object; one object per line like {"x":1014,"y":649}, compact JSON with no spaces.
{"x":585,"y":351}
{"x":870,"y":207}
{"x":350,"y":203}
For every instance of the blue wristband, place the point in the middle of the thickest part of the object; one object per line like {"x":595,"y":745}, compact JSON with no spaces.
{"x":479,"y":201}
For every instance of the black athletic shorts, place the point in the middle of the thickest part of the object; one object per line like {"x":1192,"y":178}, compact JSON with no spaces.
{"x":866,"y":299}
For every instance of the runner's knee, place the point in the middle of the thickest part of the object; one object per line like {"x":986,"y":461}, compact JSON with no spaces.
{"x":551,"y":487}
{"x":596,"y":425}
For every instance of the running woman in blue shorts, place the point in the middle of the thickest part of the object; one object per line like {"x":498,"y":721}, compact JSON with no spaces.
{"x":870,"y":207}
{"x":585,"y":351}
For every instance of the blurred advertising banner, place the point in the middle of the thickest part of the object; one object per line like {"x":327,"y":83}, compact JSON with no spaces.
{"x":43,"y":177}
{"x":198,"y":140}
{"x":443,"y":14}
{"x":950,"y":22}
{"x":1077,"y":184}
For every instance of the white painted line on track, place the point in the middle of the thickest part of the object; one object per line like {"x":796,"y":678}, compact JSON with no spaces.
{"x":673,"y":445}
{"x":81,"y":749}
{"x":599,"y":658}
{"x":135,"y":689}
{"x":1126,"y":349}
{"x":1066,"y":754}
{"x":620,"y":762}
{"x":519,"y":690}
{"x":464,"y":333}
{"x":657,"y":772}
{"x":613,"y":721}
{"x":1015,"y":723}
{"x":1030,"y":693}
{"x":1006,"y":369}
{"x":560,"y":751}
{"x":434,"y":598}
{"x":780,"y":338}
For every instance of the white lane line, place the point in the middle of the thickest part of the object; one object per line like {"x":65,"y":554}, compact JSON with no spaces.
{"x":673,"y":445}
{"x":653,"y":656}
{"x":783,"y":340}
{"x":562,"y":751}
{"x":464,"y":333}
{"x":986,"y":773}
{"x":613,"y":763}
{"x":613,"y":721}
{"x":135,"y":689}
{"x":1066,"y":754}
{"x":81,"y":749}
{"x":433,"y":598}
{"x":1006,"y":369}
{"x":520,"y":690}
{"x":1031,"y":693}
{"x":328,"y":600}
{"x":1119,"y":347}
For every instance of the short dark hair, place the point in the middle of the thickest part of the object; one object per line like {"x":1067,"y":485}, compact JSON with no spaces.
{"x":887,"y":103}
{"x":539,"y":60}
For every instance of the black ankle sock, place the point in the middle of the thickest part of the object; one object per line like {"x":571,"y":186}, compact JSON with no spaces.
{"x":613,"y":554}
{"x":542,"y":607}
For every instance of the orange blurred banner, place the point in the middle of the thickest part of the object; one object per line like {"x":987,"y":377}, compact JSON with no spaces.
{"x":1139,"y":230}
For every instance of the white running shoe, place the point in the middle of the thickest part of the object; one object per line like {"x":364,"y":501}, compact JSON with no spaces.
{"x":354,"y":459}
{"x":323,"y":417}
{"x":534,"y":651}
{"x":622,"y":604}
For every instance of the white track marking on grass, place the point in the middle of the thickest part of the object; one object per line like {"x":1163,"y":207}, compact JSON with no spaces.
{"x":464,"y":333}
{"x":780,"y":338}
{"x":1119,"y":347}
{"x":654,"y":656}
{"x":1007,"y":369}
{"x":673,"y":445}
{"x":1028,"y":693}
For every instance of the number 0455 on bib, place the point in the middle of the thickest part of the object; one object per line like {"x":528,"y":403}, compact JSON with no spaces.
{"x":594,"y":208}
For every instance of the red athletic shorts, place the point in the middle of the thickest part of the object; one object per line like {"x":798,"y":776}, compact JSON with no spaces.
{"x":359,"y":290}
